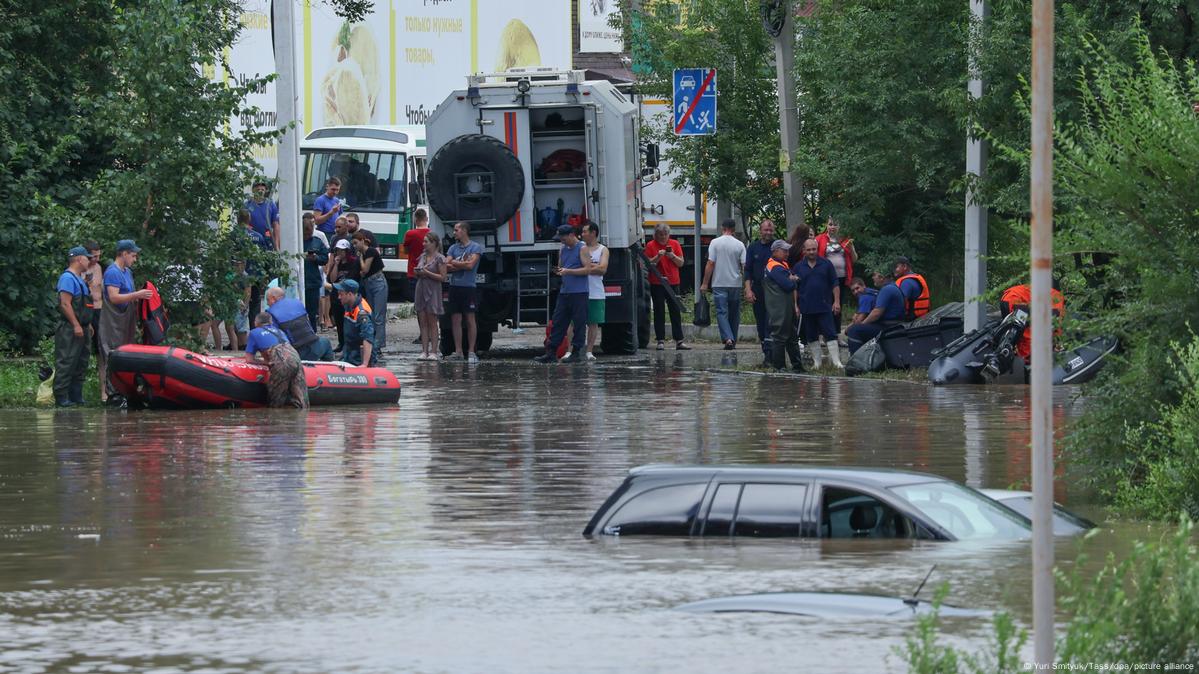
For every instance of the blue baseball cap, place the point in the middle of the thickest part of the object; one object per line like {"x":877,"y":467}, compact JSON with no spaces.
{"x":349,"y":285}
{"x":563,"y":230}
{"x":127,"y":245}
{"x":76,"y":251}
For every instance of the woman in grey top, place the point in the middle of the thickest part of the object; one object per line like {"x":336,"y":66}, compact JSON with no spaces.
{"x":430,"y":275}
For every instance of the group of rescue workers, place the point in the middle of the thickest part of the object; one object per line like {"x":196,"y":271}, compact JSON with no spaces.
{"x":794,"y":293}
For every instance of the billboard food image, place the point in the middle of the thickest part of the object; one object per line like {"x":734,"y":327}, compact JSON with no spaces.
{"x":522,"y":35}
{"x":518,"y":47}
{"x":350,"y":88}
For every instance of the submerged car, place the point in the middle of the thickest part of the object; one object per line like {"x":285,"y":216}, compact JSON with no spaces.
{"x":826,"y":605}
{"x":795,"y":502}
{"x":1065,"y":523}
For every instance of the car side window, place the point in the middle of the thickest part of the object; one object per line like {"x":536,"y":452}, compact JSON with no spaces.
{"x":664,"y":511}
{"x":845,"y":513}
{"x":770,"y":510}
{"x":722,"y":510}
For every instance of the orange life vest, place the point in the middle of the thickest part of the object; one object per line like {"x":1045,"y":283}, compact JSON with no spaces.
{"x":919,"y":306}
{"x":772,"y":263}
{"x":362,"y":304}
{"x":1021,"y":295}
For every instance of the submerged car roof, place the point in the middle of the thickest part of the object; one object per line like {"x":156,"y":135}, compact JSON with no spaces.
{"x":876,"y":477}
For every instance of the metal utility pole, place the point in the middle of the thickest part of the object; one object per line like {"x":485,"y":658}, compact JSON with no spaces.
{"x":288,"y":187}
{"x":975,"y":315}
{"x":780,"y":24}
{"x":698,"y":254}
{"x":1041,"y":249}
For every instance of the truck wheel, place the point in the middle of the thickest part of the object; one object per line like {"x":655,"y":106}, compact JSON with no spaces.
{"x":487,"y":199}
{"x":617,"y":338}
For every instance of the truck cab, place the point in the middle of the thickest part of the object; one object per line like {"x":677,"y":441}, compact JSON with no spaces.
{"x":519,"y":153}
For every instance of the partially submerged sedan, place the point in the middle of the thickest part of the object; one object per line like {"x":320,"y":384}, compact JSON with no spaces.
{"x":793,"y":502}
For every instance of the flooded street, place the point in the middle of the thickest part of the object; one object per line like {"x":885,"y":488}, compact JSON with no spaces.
{"x":443,"y":535}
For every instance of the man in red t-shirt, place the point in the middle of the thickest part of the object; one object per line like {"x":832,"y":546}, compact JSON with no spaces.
{"x":667,"y":257}
{"x":414,"y":244}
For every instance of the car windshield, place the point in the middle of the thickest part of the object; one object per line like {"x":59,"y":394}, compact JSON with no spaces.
{"x":964,"y":513}
{"x":370,"y":181}
{"x":1064,"y":521}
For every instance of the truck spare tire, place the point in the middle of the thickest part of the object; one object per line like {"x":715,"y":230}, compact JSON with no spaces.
{"x":475,"y":178}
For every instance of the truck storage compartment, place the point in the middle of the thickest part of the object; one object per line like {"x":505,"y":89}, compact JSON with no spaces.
{"x":559,"y":160}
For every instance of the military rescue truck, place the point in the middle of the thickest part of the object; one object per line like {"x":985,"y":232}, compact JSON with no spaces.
{"x":515,"y":155}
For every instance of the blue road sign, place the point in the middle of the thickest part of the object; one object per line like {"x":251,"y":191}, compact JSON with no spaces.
{"x":694,"y":101}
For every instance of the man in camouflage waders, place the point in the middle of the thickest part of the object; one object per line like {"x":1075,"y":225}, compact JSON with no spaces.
{"x":285,"y":386}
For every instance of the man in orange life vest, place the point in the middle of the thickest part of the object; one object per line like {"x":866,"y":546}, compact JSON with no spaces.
{"x":914,"y":289}
{"x":1019,"y":297}
{"x":904,"y":300}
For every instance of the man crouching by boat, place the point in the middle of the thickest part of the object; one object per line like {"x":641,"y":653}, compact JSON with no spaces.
{"x":359,"y":326}
{"x":290,"y":316}
{"x":286,"y":386}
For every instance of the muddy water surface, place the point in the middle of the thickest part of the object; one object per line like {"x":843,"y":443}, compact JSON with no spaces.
{"x":444,"y":535}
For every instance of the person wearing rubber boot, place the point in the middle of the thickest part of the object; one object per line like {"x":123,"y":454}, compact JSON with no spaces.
{"x":571,"y":308}
{"x":71,"y":338}
{"x":359,"y":324}
{"x":118,"y":318}
{"x":286,"y":386}
{"x":819,"y":302}
{"x":756,"y":256}
{"x":290,"y":315}
{"x":778,"y":285}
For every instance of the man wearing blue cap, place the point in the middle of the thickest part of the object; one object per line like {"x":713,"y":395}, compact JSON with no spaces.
{"x":359,"y":324}
{"x":118,"y":319}
{"x":571,"y":307}
{"x":71,"y":336}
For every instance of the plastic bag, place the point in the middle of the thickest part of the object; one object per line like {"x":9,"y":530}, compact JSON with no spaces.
{"x":45,"y":391}
{"x":703,"y":312}
{"x":869,"y":358}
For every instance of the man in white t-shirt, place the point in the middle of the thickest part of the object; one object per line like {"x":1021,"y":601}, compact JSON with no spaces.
{"x":722,"y":274}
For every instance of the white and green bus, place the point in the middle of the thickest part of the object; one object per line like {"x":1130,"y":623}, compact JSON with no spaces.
{"x":382,"y":172}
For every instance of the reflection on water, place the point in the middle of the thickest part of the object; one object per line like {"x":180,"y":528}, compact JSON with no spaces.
{"x":444,"y":534}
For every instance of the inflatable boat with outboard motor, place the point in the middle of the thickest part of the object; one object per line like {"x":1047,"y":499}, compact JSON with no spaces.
{"x":171,"y":377}
{"x":981,"y":356}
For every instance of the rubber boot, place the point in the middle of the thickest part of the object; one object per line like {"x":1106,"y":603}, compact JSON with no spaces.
{"x":778,"y":354}
{"x":834,"y":353}
{"x":76,"y":393}
{"x":814,"y":347}
{"x":767,"y":353}
{"x":796,"y":356}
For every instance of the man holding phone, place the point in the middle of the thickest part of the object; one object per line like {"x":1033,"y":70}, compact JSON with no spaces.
{"x":571,"y":308}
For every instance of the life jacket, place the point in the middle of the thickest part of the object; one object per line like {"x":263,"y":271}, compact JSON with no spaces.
{"x":1021,"y":296}
{"x":919,"y":306}
{"x":298,"y":329}
{"x":155,"y":321}
{"x":362,"y":304}
{"x":771,"y":263}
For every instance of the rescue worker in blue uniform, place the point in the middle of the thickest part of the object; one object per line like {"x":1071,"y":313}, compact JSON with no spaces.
{"x":286,"y":385}
{"x":359,"y":325}
{"x":71,"y":338}
{"x":291,"y":316}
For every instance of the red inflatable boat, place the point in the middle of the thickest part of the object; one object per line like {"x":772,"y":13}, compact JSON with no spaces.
{"x":167,"y":376}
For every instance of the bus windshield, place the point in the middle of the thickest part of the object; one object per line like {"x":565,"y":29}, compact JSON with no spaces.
{"x":370,"y":181}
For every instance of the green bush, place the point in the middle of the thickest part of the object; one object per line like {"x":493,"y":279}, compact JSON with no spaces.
{"x":1143,"y":609}
{"x":1163,"y":476}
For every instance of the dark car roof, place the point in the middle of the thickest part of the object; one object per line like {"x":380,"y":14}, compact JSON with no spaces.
{"x":873,"y":477}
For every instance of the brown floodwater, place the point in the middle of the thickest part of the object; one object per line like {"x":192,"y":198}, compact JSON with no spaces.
{"x":443,"y":535}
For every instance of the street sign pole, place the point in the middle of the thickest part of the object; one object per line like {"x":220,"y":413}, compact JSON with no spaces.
{"x":1041,"y":254}
{"x":695,"y":115}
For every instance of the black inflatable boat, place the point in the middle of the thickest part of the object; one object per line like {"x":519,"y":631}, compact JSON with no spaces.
{"x":982,"y":356}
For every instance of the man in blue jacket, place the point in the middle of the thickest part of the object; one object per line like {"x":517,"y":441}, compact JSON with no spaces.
{"x":289,"y":315}
{"x":756,"y":255}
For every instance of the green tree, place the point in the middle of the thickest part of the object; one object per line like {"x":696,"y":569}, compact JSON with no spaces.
{"x":739,"y":164}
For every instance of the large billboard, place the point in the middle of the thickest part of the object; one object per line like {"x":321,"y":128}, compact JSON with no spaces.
{"x":595,"y":32}
{"x":400,"y":61}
